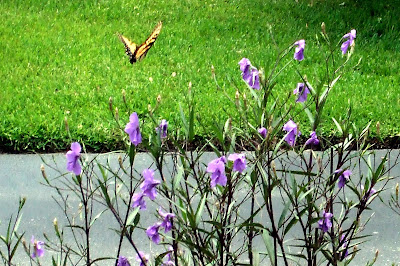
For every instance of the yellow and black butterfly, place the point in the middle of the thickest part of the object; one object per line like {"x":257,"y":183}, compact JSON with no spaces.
{"x":135,"y":52}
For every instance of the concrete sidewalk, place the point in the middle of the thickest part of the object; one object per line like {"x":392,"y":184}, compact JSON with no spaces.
{"x":20,"y":176}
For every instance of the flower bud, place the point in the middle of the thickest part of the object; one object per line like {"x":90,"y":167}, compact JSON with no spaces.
{"x":378,"y":128}
{"x":43,"y":172}
{"x":323,"y":28}
{"x":245,"y":100}
{"x":149,"y":109}
{"x":173,"y":74}
{"x":66,"y":124}
{"x":397,"y":192}
{"x":273,"y":168}
{"x":123,"y":95}
{"x":150,"y":79}
{"x":159,"y":98}
{"x":116,"y":114}
{"x":212,"y":71}
{"x":237,"y":96}
{"x":110,"y":104}
{"x":121,"y":164}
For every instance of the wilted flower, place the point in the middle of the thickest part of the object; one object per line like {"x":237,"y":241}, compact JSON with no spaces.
{"x":302,"y":92}
{"x":291,"y":128}
{"x":325,"y":223}
{"x":217,"y":169}
{"x":239,"y":161}
{"x":313,"y":140}
{"x":344,"y":245}
{"x":138,"y":200}
{"x":162,"y":128}
{"x":38,"y":248}
{"x":167,"y":217}
{"x":149,"y":184}
{"x":144,"y":257}
{"x":350,"y":40}
{"x":263,"y":132}
{"x":250,"y":74}
{"x":344,"y":176}
{"x":73,"y":158}
{"x":122,"y":261}
{"x":133,"y":130}
{"x":152,"y":232}
{"x":299,"y":51}
{"x":169,"y":261}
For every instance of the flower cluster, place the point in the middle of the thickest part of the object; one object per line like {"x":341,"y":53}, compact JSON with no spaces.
{"x":148,"y":188}
{"x":325,"y":223}
{"x":166,"y":223}
{"x":217,"y":168}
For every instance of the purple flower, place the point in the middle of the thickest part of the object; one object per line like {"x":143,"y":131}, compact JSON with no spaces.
{"x":167,"y":218}
{"x":299,"y":51}
{"x":217,"y":169}
{"x":313,"y":140}
{"x":344,"y":176}
{"x":149,"y":184}
{"x":122,"y":261}
{"x":239,"y":162}
{"x":133,"y":130}
{"x":250,"y":74}
{"x":152,"y":232}
{"x":350,"y":40}
{"x":73,"y":158}
{"x":143,"y":257}
{"x":325,"y":223}
{"x":138,"y":200}
{"x":344,"y":245}
{"x":162,"y":129}
{"x":369,"y":193}
{"x":38,"y":248}
{"x":263,"y":132}
{"x":302,"y":92}
{"x":291,"y":128}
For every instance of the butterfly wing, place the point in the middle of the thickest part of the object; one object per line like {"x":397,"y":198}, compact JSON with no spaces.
{"x":130,"y":48}
{"x":142,"y":50}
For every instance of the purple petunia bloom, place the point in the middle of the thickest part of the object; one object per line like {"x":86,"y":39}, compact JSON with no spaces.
{"x":239,"y":161}
{"x":167,"y":218}
{"x":162,"y":129}
{"x":313,"y":140}
{"x":133,"y":130}
{"x":250,"y":74}
{"x":122,"y":261}
{"x":325,"y":223}
{"x":299,"y":51}
{"x":263,"y":132}
{"x":344,"y":176}
{"x":38,"y":248}
{"x":217,"y":169}
{"x":152,"y":232}
{"x":144,"y":257}
{"x":350,"y":41}
{"x":149,"y":184}
{"x":138,"y":200}
{"x":302,"y":92}
{"x":291,"y":128}
{"x":73,"y":158}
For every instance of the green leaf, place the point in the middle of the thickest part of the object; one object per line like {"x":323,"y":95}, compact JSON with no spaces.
{"x":132,"y":216}
{"x":268,"y":241}
{"x":178,"y":177}
{"x":200,"y":209}
{"x":96,"y":217}
{"x":338,"y":126}
{"x":283,"y":214}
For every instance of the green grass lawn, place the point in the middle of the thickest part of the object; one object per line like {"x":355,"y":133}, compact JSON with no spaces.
{"x":63,"y":59}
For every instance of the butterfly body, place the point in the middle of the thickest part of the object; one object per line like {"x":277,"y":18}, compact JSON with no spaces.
{"x":137,"y":53}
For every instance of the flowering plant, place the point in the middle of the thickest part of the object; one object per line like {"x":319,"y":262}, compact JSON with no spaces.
{"x":262,"y":183}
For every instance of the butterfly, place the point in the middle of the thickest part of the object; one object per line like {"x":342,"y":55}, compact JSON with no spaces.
{"x":137,"y":53}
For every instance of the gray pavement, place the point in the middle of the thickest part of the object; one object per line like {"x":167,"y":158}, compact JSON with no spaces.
{"x":20,"y":176}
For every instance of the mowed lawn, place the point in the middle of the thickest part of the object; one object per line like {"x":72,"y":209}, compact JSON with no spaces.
{"x":63,"y":59}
